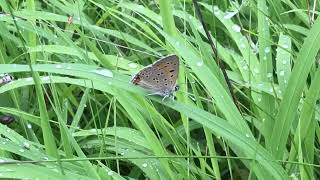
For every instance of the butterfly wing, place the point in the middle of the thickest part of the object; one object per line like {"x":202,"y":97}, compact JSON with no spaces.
{"x":160,"y":77}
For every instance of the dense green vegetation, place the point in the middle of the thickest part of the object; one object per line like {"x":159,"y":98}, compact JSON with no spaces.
{"x":78,"y":117}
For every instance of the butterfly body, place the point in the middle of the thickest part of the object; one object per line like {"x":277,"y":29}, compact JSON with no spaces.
{"x":160,"y":77}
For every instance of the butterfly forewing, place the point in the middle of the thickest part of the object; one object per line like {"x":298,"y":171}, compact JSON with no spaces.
{"x":160,"y":77}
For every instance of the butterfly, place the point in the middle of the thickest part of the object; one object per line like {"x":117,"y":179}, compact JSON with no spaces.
{"x":6,"y":120}
{"x":160,"y":77}
{"x":6,"y":79}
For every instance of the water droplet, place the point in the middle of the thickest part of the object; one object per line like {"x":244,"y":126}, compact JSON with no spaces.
{"x":256,"y":70}
{"x":229,"y":15}
{"x":46,"y":158}
{"x":247,"y":135}
{"x":270,"y":90}
{"x":284,"y":62}
{"x":26,"y":145}
{"x":236,"y":28}
{"x":200,"y":63}
{"x":285,"y":81}
{"x":3,"y":143}
{"x":68,"y":67}
{"x":269,"y":75}
{"x":281,"y":73}
{"x":267,"y":50}
{"x":122,"y":153}
{"x":264,"y":57}
{"x":29,"y":79}
{"x":14,"y":65}
{"x":29,"y":126}
{"x":104,"y":72}
{"x":285,"y":46}
{"x":55,"y":36}
{"x":110,"y":173}
{"x":133,"y":65}
{"x":242,"y":45}
{"x":21,"y":150}
{"x":279,"y":91}
{"x":259,"y":99}
{"x":58,"y":66}
{"x":245,"y":67}
{"x":263,"y":119}
{"x":46,"y":78}
{"x":216,"y":10}
{"x":8,"y":130}
{"x":144,"y":165}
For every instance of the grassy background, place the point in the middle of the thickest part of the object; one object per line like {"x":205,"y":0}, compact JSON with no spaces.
{"x":78,"y":117}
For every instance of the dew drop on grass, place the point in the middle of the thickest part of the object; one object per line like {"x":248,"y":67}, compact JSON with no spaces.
{"x":110,"y":173}
{"x":103,"y":72}
{"x":236,"y":28}
{"x":269,"y":75}
{"x":144,"y":165}
{"x":281,"y":73}
{"x":259,"y":99}
{"x":264,"y":57}
{"x":26,"y":145}
{"x":284,"y":62}
{"x":285,"y":46}
{"x":229,"y":15}
{"x":245,"y":67}
{"x":242,"y":45}
{"x":200,"y":63}
{"x":46,"y":78}
{"x":270,"y":90}
{"x":133,"y":65}
{"x":267,"y":50}
{"x":21,"y":150}
{"x":256,"y":70}
{"x":58,"y":66}
{"x":247,"y":135}
{"x":68,"y":67}
{"x":29,"y":126}
{"x":216,"y":10}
